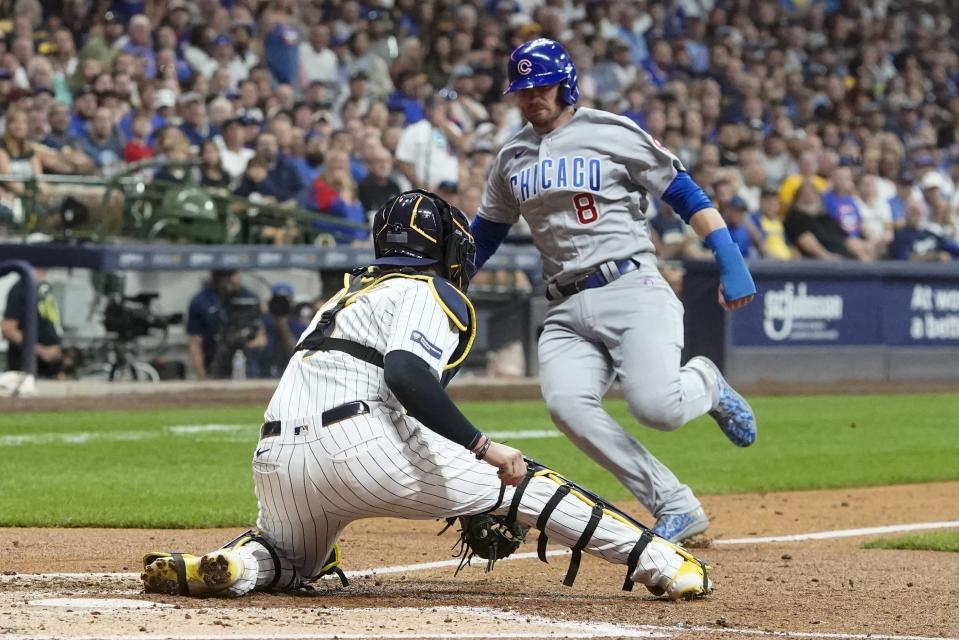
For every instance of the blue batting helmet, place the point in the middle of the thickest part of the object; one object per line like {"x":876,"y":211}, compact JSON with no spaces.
{"x":542,"y":63}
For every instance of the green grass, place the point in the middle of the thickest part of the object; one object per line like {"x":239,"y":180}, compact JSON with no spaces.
{"x":136,"y":472}
{"x":939,"y":541}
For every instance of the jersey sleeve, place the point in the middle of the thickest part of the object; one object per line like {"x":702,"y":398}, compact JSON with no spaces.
{"x":647,"y":162}
{"x":498,"y":203}
{"x":406,"y":146}
{"x":421,"y":327}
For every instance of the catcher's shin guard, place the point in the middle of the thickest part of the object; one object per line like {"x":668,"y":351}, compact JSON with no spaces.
{"x":691,"y":578}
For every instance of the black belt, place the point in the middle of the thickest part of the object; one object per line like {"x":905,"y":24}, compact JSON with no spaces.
{"x":598,"y":277}
{"x":328,"y":417}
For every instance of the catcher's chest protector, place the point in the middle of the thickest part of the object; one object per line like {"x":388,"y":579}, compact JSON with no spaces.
{"x":451,"y":300}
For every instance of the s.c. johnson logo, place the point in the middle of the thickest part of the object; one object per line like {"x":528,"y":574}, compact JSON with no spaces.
{"x":791,"y":313}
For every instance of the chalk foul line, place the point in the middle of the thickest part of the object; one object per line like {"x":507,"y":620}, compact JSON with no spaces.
{"x":442,"y":564}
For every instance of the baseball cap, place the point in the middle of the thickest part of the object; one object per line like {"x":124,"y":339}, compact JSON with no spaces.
{"x":165,"y":98}
{"x":359,"y":74}
{"x":933,"y":180}
{"x":737,"y":203}
{"x":190,"y":97}
{"x":283,"y":289}
{"x":222,"y":39}
{"x":5,"y":74}
{"x":461,"y":71}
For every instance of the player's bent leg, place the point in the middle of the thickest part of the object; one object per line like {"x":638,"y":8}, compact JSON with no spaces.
{"x":565,"y":514}
{"x":729,"y":409}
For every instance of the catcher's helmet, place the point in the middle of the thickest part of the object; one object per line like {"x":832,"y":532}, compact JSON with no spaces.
{"x":541,"y":63}
{"x":417,"y":229}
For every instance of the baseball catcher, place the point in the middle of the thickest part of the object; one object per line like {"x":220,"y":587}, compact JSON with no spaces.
{"x":360,"y":426}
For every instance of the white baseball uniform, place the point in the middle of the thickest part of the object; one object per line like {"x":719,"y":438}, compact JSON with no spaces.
{"x":312,"y":479}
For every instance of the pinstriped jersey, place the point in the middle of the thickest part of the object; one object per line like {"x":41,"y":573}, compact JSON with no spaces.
{"x":583,"y":188}
{"x":397,"y":314}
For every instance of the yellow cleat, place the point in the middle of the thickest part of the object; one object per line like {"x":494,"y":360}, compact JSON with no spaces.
{"x":189,"y":575}
{"x":691,"y":581}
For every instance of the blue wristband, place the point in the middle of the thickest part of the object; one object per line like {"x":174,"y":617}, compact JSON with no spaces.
{"x":733,"y":272}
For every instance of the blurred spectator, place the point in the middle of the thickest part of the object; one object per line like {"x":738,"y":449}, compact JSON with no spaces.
{"x":808,"y":164}
{"x":841,"y":203}
{"x":772,"y":235}
{"x":814,"y":232}
{"x":740,"y":228}
{"x":18,"y":157}
{"x":224,"y":317}
{"x":379,"y":186}
{"x":284,"y":179}
{"x":49,"y":332}
{"x":103,"y":142}
{"x":334,"y":193}
{"x":281,"y":43}
{"x":317,"y":60}
{"x":427,"y":150}
{"x":103,"y":43}
{"x":195,"y":125}
{"x":233,"y":150}
{"x":212,"y":173}
{"x":137,"y":43}
{"x":916,"y":241}
{"x":877,"y":220}
{"x":137,"y":147}
{"x":283,"y":329}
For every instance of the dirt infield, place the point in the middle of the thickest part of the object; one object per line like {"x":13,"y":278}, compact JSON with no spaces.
{"x":763,"y":588}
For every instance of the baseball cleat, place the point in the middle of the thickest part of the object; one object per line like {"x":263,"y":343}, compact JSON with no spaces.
{"x":189,"y":575}
{"x":691,"y":581}
{"x":732,"y":413}
{"x":680,"y":526}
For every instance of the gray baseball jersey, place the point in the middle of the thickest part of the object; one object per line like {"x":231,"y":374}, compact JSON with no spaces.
{"x":583,"y":189}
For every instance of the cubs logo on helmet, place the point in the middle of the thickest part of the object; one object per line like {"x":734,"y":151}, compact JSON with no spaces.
{"x":543,"y":63}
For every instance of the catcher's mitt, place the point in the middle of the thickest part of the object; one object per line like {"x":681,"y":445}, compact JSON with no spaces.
{"x":487,"y":536}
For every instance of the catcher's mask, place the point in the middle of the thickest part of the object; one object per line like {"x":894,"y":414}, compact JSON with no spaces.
{"x":418,"y":229}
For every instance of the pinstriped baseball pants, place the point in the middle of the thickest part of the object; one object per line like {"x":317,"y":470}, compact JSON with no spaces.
{"x":312,"y":481}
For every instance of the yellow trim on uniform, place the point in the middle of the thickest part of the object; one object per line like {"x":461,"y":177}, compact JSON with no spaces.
{"x":449,"y":313}
{"x":335,"y":562}
{"x":462,"y":228}
{"x":456,"y":322}
{"x":413,"y":222}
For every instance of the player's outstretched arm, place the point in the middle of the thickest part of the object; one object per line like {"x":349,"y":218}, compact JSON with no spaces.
{"x":414,"y":384}
{"x":736,"y":288}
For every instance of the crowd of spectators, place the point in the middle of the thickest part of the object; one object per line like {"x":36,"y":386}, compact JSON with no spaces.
{"x":824,"y":129}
